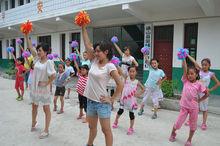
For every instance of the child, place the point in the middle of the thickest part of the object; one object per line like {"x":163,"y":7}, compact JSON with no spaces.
{"x":60,"y":87}
{"x":128,"y":98}
{"x":154,"y":80}
{"x":127,"y":59}
{"x":19,"y":80}
{"x":189,"y":102}
{"x":80,"y":87}
{"x":70,"y":72}
{"x":30,"y":74}
{"x":84,"y":60}
{"x":205,"y":77}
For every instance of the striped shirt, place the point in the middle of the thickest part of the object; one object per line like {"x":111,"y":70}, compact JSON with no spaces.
{"x":81,"y":84}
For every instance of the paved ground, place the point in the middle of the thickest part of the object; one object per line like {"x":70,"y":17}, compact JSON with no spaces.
{"x":65,"y":130}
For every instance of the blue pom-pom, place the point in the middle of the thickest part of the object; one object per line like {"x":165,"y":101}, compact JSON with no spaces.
{"x":114,"y":39}
{"x":74,"y":44}
{"x":10,"y":49}
{"x":72,"y":56}
{"x":50,"y":56}
{"x":182,"y":53}
{"x":115,"y":60}
{"x":145,"y":50}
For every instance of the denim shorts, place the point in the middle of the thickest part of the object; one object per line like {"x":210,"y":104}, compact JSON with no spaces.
{"x":102,"y":110}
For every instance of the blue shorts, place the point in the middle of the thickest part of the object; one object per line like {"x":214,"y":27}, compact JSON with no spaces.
{"x":102,"y":110}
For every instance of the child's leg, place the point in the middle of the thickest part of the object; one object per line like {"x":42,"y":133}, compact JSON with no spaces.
{"x":156,"y":104}
{"x":132,"y":117}
{"x":22,"y":88}
{"x":119,"y":113}
{"x":205,"y":116}
{"x":193,"y":118}
{"x":146,"y":95}
{"x":81,"y":105}
{"x":55,"y":103}
{"x":18,"y":92}
{"x":62,"y":103}
{"x":34,"y":114}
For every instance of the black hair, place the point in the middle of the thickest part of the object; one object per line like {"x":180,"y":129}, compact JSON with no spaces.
{"x":45,"y":47}
{"x":195,"y":70}
{"x":127,"y":48}
{"x":132,"y":66}
{"x":21,"y":59}
{"x":154,"y":59}
{"x":85,"y":67}
{"x":105,"y":46}
{"x":207,"y":60}
{"x":62,"y":65}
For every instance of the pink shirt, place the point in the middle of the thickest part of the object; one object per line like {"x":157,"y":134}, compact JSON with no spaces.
{"x":190,"y":93}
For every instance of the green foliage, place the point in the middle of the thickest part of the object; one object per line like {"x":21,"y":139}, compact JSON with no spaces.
{"x":169,"y":87}
{"x":11,"y":68}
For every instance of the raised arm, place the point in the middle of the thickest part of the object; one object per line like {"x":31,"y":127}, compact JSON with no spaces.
{"x":194,"y":62}
{"x":118,"y":49}
{"x":217,"y":83}
{"x":29,"y":45}
{"x":80,"y":56}
{"x":147,"y":61}
{"x":77,"y":66}
{"x":13,"y":56}
{"x":184,"y":66}
{"x":135,"y":62}
{"x":22,"y":49}
{"x":87,"y":43}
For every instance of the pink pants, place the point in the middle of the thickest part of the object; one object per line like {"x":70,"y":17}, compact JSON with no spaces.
{"x":193,"y":117}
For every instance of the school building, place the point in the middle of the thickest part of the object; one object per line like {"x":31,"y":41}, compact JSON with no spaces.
{"x":163,"y":25}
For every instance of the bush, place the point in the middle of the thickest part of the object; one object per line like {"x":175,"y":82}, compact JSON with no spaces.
{"x":11,"y":68}
{"x":169,"y":87}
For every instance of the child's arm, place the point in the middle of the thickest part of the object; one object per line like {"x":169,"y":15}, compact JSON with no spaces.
{"x":80,"y":56}
{"x":29,"y":44}
{"x":77,"y":66}
{"x":194,"y":62}
{"x":184,"y":66}
{"x":140,"y":85}
{"x":147,"y":61}
{"x":87,"y":43}
{"x":22,"y":49}
{"x":13,"y":56}
{"x":160,"y":81}
{"x":206,"y":92}
{"x":120,"y":72}
{"x":217,"y":83}
{"x":135,"y":62}
{"x":118,"y":49}
{"x":61,"y":60}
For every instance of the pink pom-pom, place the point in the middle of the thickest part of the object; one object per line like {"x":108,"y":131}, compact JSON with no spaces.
{"x":26,"y":54}
{"x":145,"y":50}
{"x":74,"y":44}
{"x":114,"y":39}
{"x":50,"y":56}
{"x":73,"y":56}
{"x":115,"y":60}
{"x":55,"y":55}
{"x":183,"y":53}
{"x":19,"y":41}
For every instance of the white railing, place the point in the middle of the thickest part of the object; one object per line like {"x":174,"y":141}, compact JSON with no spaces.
{"x":52,"y":8}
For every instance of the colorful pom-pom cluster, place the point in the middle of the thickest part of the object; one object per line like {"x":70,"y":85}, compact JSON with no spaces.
{"x":74,"y":44}
{"x":73,"y":56}
{"x":145,"y":50}
{"x":182,"y":53}
{"x":26,"y":27}
{"x":82,"y":18}
{"x":55,"y":55}
{"x":114,"y":39}
{"x":19,"y":41}
{"x":50,"y":56}
{"x":115,"y":60}
{"x":10,"y":49}
{"x":26,"y":54}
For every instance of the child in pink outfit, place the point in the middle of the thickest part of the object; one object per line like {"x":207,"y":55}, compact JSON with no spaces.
{"x":189,"y":102}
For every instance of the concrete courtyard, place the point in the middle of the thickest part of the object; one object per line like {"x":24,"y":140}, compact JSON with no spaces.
{"x":66,"y":130}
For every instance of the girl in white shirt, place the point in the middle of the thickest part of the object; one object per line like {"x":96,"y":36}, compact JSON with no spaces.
{"x":99,"y":103}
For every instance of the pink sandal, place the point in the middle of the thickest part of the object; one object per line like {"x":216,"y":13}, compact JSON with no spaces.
{"x":188,"y":143}
{"x":130,"y":131}
{"x":115,"y":125}
{"x":172,"y":137}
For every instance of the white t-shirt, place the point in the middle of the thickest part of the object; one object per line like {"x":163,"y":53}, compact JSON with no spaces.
{"x":69,"y":69}
{"x":98,"y":79}
{"x":126,"y":59}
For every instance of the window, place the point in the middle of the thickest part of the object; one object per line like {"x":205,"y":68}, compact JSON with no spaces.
{"x":0,"y":49}
{"x":27,"y":1}
{"x":21,"y":2}
{"x":62,"y":39}
{"x":13,"y":44}
{"x":6,"y":5}
{"x":190,"y":39}
{"x":12,"y":4}
{"x":0,"y":7}
{"x":45,"y":39}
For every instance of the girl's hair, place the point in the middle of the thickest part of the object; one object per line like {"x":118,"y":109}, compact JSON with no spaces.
{"x":68,"y":59}
{"x":105,"y":46}
{"x":62,"y":65}
{"x":85,"y":67}
{"x":154,"y":59}
{"x":195,"y":70}
{"x":207,"y":60}
{"x":132,"y":66}
{"x":21,"y":59}
{"x":127,"y":48}
{"x":45,"y":47}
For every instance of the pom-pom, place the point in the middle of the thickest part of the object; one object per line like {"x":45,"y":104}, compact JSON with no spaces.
{"x":145,"y":50}
{"x":82,"y":18}
{"x":26,"y":54}
{"x":34,"y":44}
{"x":74,"y":44}
{"x":115,"y":60}
{"x":50,"y":56}
{"x":55,"y":55}
{"x":26,"y":27}
{"x":114,"y":39}
{"x":183,"y":53}
{"x":73,"y":56}
{"x":19,"y":41}
{"x":10,"y":49}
